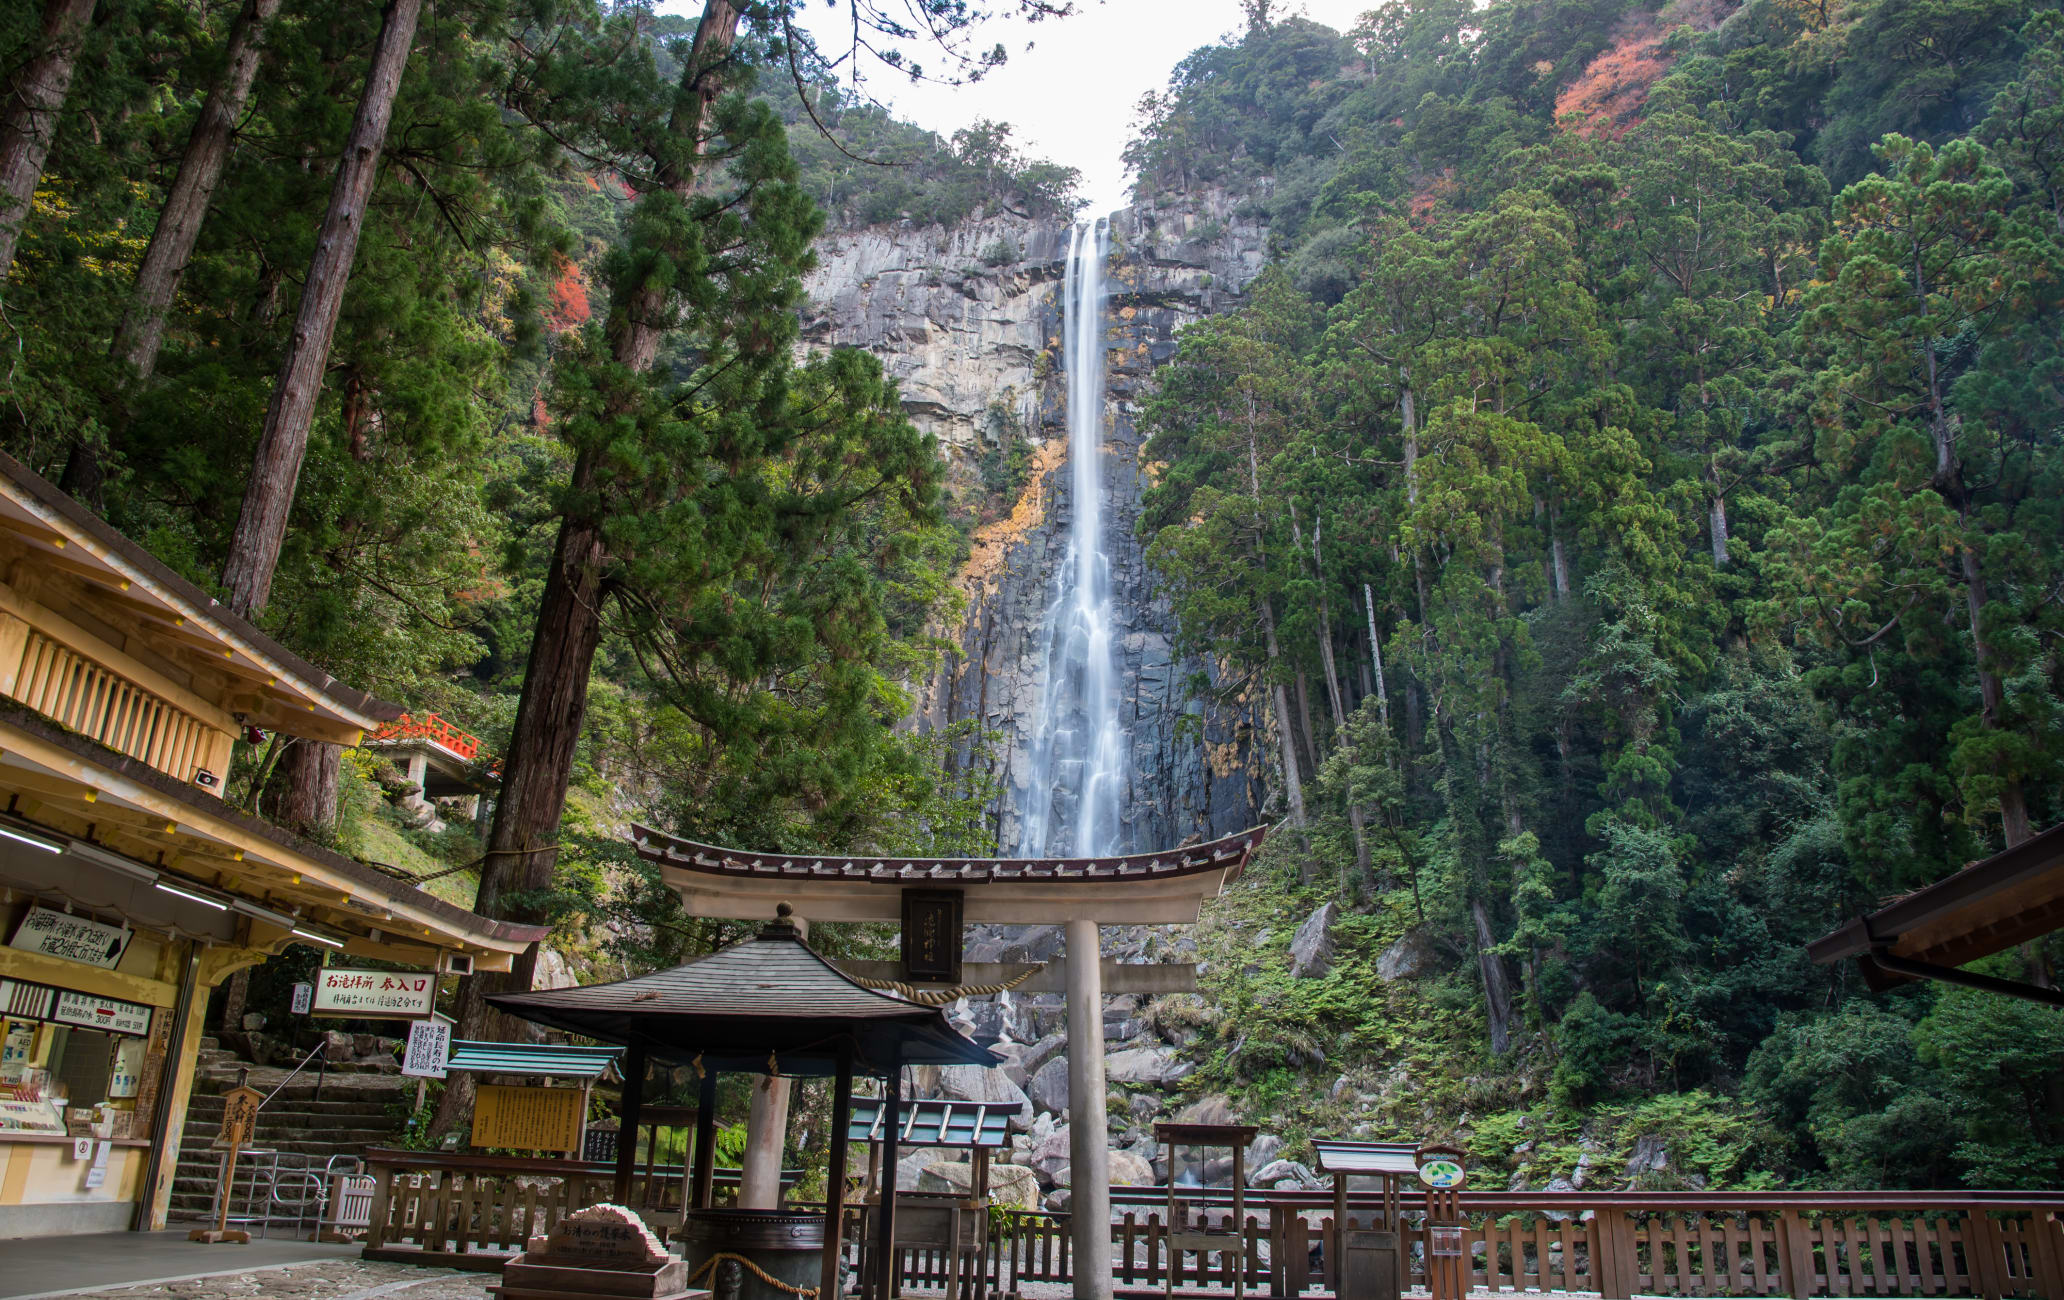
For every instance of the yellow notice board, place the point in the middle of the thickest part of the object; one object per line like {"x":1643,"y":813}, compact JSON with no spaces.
{"x":527,"y":1119}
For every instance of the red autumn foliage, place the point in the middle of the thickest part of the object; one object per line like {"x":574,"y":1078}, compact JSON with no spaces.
{"x":569,"y":309}
{"x":1607,"y":97}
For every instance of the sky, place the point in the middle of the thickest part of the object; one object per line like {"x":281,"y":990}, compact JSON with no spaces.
{"x":1070,"y":98}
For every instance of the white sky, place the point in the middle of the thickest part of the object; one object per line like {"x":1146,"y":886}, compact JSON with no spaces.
{"x":1070,"y":98}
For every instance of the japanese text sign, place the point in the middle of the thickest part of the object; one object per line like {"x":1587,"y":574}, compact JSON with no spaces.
{"x":407,"y":994}
{"x":74,"y":938}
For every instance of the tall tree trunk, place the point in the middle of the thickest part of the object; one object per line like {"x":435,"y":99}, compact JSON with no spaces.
{"x":1293,"y":786}
{"x":262,"y":523}
{"x":1497,"y":989}
{"x":1376,"y":655}
{"x":304,"y":793}
{"x":142,"y":331}
{"x":522,"y":844}
{"x":1716,"y":515}
{"x":35,"y":96}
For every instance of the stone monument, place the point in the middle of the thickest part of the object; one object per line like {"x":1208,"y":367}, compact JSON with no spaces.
{"x":604,"y":1250}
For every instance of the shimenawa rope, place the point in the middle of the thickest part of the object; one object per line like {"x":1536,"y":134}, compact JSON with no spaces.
{"x":810,"y":1292}
{"x":940,"y":997}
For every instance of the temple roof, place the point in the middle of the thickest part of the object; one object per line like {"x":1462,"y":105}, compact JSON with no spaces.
{"x":768,"y":997}
{"x":1164,"y":886}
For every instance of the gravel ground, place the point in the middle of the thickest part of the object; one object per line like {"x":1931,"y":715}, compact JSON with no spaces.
{"x":343,"y":1279}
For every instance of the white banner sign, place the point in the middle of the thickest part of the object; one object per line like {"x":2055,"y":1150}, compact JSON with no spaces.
{"x":74,"y":938}
{"x":96,"y":1012}
{"x":304,"y":998}
{"x":409,"y":994}
{"x":429,"y":1047}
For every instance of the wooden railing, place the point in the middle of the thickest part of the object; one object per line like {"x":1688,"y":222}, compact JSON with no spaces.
{"x":97,"y":702}
{"x":430,"y":1203}
{"x":430,"y":727}
{"x":1611,"y":1245}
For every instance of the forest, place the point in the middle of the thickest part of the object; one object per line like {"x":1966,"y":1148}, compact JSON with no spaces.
{"x":1633,"y":490}
{"x":1630,"y":498}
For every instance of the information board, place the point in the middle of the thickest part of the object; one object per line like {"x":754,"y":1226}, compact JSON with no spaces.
{"x":527,"y":1119}
{"x":429,"y":1047}
{"x":74,"y":938}
{"x":109,"y":1015}
{"x":374,"y":994}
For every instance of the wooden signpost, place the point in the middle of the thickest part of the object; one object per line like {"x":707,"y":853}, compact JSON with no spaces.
{"x":1447,"y":1266}
{"x":239,"y":1120}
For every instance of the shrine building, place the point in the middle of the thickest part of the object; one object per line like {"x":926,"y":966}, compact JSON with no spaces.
{"x":128,"y":888}
{"x":932,"y":898}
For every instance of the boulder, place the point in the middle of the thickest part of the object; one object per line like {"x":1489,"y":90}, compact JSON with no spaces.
{"x":1214,"y":1109}
{"x":1276,"y":1172}
{"x":1013,"y":1186}
{"x":910,"y":1170}
{"x":1048,"y":1089}
{"x":1311,"y":948}
{"x":1129,"y":1170}
{"x":1034,"y":1055}
{"x":1052,"y":1155}
{"x":1036,"y":943}
{"x":1149,"y":1065}
{"x":978,"y":1083}
{"x":1406,"y":959}
{"x":1057,"y":1201}
{"x":1263,"y":1149}
{"x":1650,"y":1156}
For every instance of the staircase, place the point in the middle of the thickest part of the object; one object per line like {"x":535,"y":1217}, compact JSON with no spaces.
{"x":355,"y":1111}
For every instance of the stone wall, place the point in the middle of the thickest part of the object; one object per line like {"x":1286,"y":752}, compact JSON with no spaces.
{"x":968,"y":320}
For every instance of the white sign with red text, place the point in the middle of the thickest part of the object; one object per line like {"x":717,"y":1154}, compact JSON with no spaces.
{"x":360,"y":994}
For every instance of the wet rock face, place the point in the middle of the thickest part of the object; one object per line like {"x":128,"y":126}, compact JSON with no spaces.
{"x":969,"y":321}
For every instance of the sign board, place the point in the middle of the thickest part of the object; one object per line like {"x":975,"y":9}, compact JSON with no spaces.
{"x":91,"y":1011}
{"x":931,"y":934}
{"x":82,"y":1148}
{"x":1446,"y":1239}
{"x":304,"y":998}
{"x":1440,"y":1167}
{"x":374,"y":994}
{"x":96,"y":1173}
{"x":429,"y":1047}
{"x":74,"y":938}
{"x":125,"y":1076}
{"x":527,"y":1119}
{"x":239,"y":1116}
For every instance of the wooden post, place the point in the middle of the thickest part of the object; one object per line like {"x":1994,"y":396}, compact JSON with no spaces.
{"x":706,"y":1142}
{"x":1794,"y":1256}
{"x":1239,"y":1218}
{"x":239,"y":1120}
{"x":627,"y":1123}
{"x":835,"y":1178}
{"x":1089,"y":1139}
{"x":885,"y":1207}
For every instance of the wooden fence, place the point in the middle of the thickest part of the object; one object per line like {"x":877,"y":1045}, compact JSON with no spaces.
{"x":467,"y":1209}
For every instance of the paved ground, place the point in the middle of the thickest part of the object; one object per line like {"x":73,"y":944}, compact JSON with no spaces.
{"x":167,"y":1264}
{"x":341,"y":1279}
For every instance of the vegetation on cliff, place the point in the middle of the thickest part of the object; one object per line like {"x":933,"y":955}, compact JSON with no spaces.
{"x":1645,"y":529}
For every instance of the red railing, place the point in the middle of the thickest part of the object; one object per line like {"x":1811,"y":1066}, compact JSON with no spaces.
{"x":430,"y":727}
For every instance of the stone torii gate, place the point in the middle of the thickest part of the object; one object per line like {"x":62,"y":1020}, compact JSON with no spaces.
{"x":932,"y":898}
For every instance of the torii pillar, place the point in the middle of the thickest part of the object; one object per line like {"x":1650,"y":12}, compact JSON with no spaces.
{"x":1078,"y":894}
{"x":1089,"y":1140}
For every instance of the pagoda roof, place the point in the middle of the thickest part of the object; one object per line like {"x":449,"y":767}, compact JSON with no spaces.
{"x":1164,"y":886}
{"x":767,"y":997}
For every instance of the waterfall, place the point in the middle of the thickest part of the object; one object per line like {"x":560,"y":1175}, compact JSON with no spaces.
{"x":1078,"y":745}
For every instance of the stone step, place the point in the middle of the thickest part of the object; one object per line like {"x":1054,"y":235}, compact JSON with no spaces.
{"x":305,"y":1108}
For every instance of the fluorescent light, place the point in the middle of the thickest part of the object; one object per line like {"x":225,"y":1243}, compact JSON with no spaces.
{"x":202,"y":899}
{"x":32,"y":839}
{"x":265,"y":914}
{"x":319,"y":938}
{"x":99,"y":856}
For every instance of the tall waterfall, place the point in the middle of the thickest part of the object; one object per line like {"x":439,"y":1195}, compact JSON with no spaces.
{"x":1079,"y":745}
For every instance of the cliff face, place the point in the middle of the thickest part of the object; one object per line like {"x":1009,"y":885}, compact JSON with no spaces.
{"x":968,"y":320}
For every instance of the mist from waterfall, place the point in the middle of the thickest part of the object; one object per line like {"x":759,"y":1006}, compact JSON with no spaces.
{"x":1070,"y":805}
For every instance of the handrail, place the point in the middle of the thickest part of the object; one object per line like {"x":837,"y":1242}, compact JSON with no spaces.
{"x":318,"y":1050}
{"x":396,"y":1158}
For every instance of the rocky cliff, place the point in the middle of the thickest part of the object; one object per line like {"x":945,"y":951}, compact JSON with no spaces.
{"x":968,"y":320}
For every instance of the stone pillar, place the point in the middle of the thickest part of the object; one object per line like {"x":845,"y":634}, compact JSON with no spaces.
{"x":1089,"y":1176}
{"x":766,"y":1132}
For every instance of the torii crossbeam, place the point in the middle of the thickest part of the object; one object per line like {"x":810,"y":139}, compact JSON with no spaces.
{"x":1080,"y":894}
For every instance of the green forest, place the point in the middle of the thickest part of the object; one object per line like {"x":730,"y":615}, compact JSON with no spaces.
{"x":1631,"y":500}
{"x":1634,"y":490}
